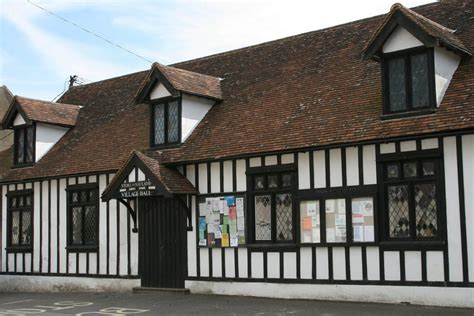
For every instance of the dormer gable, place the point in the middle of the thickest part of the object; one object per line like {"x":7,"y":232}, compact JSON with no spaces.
{"x":418,"y":58}
{"x":178,"y":100}
{"x":37,"y":125}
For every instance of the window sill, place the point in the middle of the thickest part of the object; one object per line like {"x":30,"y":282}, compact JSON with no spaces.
{"x":273,"y":247}
{"x":23,"y":165}
{"x":413,"y":244}
{"x":82,"y":248}
{"x":165,"y":146}
{"x":391,"y":116}
{"x":19,"y":249}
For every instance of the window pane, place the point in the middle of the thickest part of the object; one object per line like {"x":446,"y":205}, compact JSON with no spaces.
{"x":15,"y":232}
{"x":21,"y":201}
{"x":426,"y":210}
{"x":284,"y":216}
{"x":428,"y":168}
{"x":310,"y":222}
{"x":13,"y":201}
{"x":26,"y":228}
{"x":29,"y":144}
{"x":173,"y":122}
{"x":90,"y":225}
{"x":393,"y":171}
{"x":398,"y":211}
{"x":286,"y":180}
{"x":75,"y":197}
{"x":259,"y":182}
{"x":419,"y":80}
{"x":336,"y":220}
{"x":20,"y":146}
{"x":363,"y":219}
{"x":396,"y":82}
{"x":159,"y":121}
{"x":28,"y":200}
{"x":83,"y":196}
{"x":76,"y":225}
{"x":92,"y":195}
{"x":273,"y":181}
{"x":263,"y":218}
{"x":409,"y":169}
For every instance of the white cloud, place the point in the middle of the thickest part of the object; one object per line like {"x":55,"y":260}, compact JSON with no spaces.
{"x":63,"y":56}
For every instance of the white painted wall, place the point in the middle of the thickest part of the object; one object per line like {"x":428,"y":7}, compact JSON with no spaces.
{"x":46,"y":136}
{"x":446,"y":63}
{"x":159,"y":91}
{"x":452,"y":209}
{"x":400,"y":39}
{"x":437,"y":296}
{"x":468,"y":164}
{"x":193,"y":111}
{"x":19,"y":120}
{"x":50,"y":256}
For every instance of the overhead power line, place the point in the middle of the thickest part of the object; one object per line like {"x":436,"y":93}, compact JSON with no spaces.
{"x":88,"y":31}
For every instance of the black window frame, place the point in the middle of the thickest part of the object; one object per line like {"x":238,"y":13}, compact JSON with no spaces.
{"x":16,"y":130}
{"x":165,"y":101}
{"x":83,"y":247}
{"x":409,"y":110}
{"x":252,"y":193}
{"x":20,"y":247}
{"x":437,"y":179}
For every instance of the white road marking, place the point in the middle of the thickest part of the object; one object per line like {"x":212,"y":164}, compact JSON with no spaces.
{"x":9,"y":303}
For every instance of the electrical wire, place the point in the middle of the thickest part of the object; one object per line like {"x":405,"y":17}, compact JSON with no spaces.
{"x":64,"y":90}
{"x":88,"y":31}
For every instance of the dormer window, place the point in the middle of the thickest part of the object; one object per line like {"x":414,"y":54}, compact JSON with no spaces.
{"x":24,"y":144}
{"x":166,"y":129}
{"x":408,"y":81}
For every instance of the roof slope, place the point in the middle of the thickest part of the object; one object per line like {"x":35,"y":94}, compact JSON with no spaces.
{"x":181,"y":80}
{"x":42,"y":111}
{"x":308,"y":90}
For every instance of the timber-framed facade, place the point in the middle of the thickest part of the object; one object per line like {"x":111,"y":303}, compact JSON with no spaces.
{"x":220,"y":176}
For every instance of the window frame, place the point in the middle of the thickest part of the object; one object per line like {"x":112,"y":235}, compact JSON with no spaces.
{"x":24,"y":127}
{"x":252,"y":193}
{"x":347,"y":196}
{"x":19,"y":248}
{"x":165,"y":101}
{"x":409,"y":110}
{"x":437,"y":179}
{"x":84,"y":247}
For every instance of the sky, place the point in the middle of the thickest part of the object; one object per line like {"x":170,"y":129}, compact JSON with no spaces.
{"x":38,"y":51}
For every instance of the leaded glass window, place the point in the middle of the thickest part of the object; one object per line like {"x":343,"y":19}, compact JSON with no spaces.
{"x":396,"y":81}
{"x":263,"y":217}
{"x":20,"y":219}
{"x":159,"y":121}
{"x":409,"y":80}
{"x":412,"y":200}
{"x":173,"y":122}
{"x":24,"y":144}
{"x":273,"y":207}
{"x":284,"y":216}
{"x":83,"y":216}
{"x":398,"y":210}
{"x":426,"y":210}
{"x":419,"y":80}
{"x":166,"y":122}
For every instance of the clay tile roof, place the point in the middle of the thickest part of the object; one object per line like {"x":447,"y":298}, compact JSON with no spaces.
{"x":182,"y":81}
{"x":34,"y":110}
{"x":311,"y":90}
{"x":174,"y":181}
{"x":432,"y":33}
{"x":169,"y":178}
